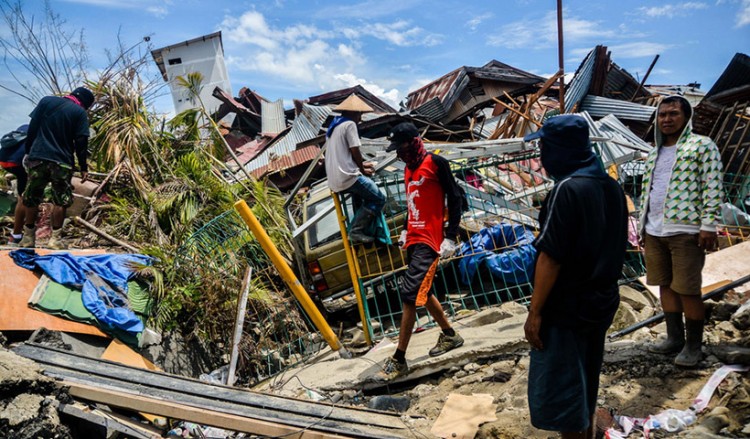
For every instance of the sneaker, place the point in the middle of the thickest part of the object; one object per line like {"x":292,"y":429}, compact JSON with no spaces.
{"x":29,"y":237}
{"x":391,"y":370}
{"x":446,"y":343}
{"x":14,"y":242}
{"x":56,"y":241}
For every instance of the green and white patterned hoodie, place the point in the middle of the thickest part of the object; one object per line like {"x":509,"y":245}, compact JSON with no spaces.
{"x":695,"y":190}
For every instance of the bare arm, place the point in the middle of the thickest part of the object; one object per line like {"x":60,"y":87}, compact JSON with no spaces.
{"x":545,"y":276}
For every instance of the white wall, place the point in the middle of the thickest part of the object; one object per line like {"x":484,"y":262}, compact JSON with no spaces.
{"x":205,"y":57}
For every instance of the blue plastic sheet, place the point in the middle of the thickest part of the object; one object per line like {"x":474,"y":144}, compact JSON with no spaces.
{"x":102,"y":279}
{"x":514,"y":265}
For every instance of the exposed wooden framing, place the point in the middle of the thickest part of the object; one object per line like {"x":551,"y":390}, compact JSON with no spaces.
{"x":645,"y":77}
{"x":518,"y":113}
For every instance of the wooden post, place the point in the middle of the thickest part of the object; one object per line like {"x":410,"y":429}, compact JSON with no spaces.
{"x":560,"y":55}
{"x":238,"y":325}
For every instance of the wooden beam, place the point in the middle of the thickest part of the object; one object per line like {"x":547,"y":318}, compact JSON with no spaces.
{"x":518,"y":113}
{"x":193,"y":414}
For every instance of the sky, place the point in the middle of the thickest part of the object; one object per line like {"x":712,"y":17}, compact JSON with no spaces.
{"x":289,"y":49}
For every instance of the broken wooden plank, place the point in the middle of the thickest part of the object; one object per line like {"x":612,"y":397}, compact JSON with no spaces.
{"x":198,"y":415}
{"x":110,"y":421}
{"x":71,"y":367}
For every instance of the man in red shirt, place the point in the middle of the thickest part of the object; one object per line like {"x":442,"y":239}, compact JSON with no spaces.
{"x":429,"y":184}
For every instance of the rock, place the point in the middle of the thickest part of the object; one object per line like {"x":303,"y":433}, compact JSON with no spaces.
{"x":625,"y":316}
{"x":732,"y":354}
{"x":472,"y":367}
{"x":711,"y":425}
{"x":721,"y":311}
{"x":398,"y":404}
{"x":727,"y":329}
{"x":636,"y":299}
{"x":741,"y":317}
{"x":423,"y":390}
{"x":22,"y":408}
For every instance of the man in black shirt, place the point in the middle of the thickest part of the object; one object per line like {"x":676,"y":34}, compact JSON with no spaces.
{"x":581,"y":249}
{"x":59,"y":128}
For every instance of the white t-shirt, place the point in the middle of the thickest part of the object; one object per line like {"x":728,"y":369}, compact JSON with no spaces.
{"x":659,"y":185}
{"x":341,"y":169}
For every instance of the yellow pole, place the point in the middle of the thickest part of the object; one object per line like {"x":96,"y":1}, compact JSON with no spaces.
{"x":288,"y":275}
{"x":352,"y":270}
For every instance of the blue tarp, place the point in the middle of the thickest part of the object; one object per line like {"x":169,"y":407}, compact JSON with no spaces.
{"x":102,"y":279}
{"x":514,"y":265}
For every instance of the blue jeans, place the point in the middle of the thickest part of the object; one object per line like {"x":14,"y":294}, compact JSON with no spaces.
{"x":365,"y":192}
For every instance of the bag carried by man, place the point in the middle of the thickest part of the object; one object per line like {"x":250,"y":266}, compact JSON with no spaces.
{"x":12,"y":147}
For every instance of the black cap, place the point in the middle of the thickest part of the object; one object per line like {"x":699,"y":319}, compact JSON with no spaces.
{"x":403,"y":132}
{"x":84,"y":96}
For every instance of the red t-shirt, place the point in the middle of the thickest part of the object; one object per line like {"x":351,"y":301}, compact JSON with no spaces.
{"x":425,"y":203}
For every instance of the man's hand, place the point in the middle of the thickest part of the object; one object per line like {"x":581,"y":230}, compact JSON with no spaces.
{"x":402,"y":240}
{"x":531,"y":328}
{"x":447,"y":248}
{"x":707,"y":240}
{"x":368,"y":168}
{"x":84,"y":177}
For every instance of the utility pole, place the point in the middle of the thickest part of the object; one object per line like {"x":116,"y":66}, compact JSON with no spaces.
{"x":560,"y":55}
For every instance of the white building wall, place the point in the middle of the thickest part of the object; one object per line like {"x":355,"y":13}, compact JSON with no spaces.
{"x":206,"y":57}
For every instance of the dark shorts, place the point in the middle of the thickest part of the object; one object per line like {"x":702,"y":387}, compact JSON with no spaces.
{"x":21,"y":177}
{"x":417,"y":284}
{"x":58,"y":176}
{"x":564,"y":377}
{"x":675,"y":261}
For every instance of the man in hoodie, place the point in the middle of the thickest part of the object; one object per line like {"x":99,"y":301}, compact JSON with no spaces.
{"x":580,"y":252}
{"x":680,"y":207}
{"x":346,"y":170}
{"x":59,"y":129}
{"x":430,"y":188}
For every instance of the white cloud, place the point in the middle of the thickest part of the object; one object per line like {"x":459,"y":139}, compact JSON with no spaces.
{"x":542,"y":33}
{"x":743,"y":15}
{"x":345,"y":80}
{"x":474,"y":22}
{"x":154,"y":7}
{"x":399,"y":33}
{"x":673,"y":10}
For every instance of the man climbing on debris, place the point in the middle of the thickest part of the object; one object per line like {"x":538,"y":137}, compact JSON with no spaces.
{"x":581,"y":249}
{"x":346,"y":170}
{"x":59,"y":128}
{"x":429,"y":185}
{"x":680,"y":207}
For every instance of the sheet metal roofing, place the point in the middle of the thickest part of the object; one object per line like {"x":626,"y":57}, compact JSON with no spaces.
{"x":598,"y":106}
{"x":295,"y":158}
{"x":579,"y":86}
{"x":272,"y":116}
{"x":306,"y":126}
{"x":735,"y":75}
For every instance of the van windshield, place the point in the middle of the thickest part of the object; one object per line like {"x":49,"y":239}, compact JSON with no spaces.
{"x":327,"y":228}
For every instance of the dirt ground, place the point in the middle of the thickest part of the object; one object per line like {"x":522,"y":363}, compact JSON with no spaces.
{"x":634,"y":383}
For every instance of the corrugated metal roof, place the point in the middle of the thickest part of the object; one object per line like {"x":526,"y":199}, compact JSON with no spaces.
{"x":623,"y":142}
{"x":579,"y":85}
{"x":272,"y":116}
{"x":305,"y":127}
{"x":295,"y":158}
{"x":436,"y":89}
{"x":598,"y":106}
{"x":735,"y":75}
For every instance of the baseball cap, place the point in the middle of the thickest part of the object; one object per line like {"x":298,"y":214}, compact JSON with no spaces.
{"x":570,"y":128}
{"x":405,"y":131}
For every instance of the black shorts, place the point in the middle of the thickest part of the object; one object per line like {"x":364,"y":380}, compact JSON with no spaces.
{"x":417,"y":285}
{"x":21,"y":177}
